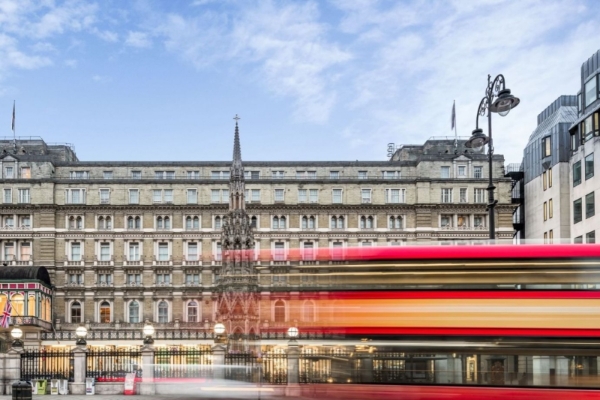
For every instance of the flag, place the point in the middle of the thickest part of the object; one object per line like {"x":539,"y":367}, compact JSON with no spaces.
{"x":5,"y":320}
{"x":13,"y":118}
{"x":453,"y":118}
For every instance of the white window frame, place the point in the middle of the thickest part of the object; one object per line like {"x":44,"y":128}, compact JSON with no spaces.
{"x":156,"y":307}
{"x":192,"y":196}
{"x":275,"y":191}
{"x":401,"y":195}
{"x":5,"y":197}
{"x":464,"y":170}
{"x":104,"y":190}
{"x":302,"y":195}
{"x":333,"y":191}
{"x":443,"y":169}
{"x":447,"y":195}
{"x":465,"y":198}
{"x":130,"y":192}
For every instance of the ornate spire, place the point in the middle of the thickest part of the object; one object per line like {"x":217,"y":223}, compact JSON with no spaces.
{"x":237,"y":187}
{"x":237,"y":169}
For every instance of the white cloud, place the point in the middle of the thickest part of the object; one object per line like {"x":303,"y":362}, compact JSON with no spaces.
{"x":101,"y":78}
{"x":285,"y":46}
{"x":140,"y":40}
{"x":71,"y":63}
{"x":106,"y":35}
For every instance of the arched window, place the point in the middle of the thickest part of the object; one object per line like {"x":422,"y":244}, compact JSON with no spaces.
{"x":163,"y":312}
{"x":217,"y":222}
{"x":75,"y":222}
{"x":192,"y":223}
{"x":309,"y":311}
{"x":31,"y":306}
{"x":188,"y":223}
{"x":369,"y":222}
{"x":101,"y":224}
{"x":333,"y":222}
{"x":108,"y":223}
{"x":16,"y":300}
{"x":281,"y":222}
{"x":134,"y":312}
{"x":275,"y":222}
{"x":159,"y":223}
{"x":47,"y":310}
{"x":75,"y":312}
{"x":134,"y":223}
{"x":279,"y":311}
{"x":130,"y":223}
{"x":105,"y":312}
{"x":395,"y":223}
{"x":167,"y":223}
{"x":304,"y":223}
{"x":253,"y":222}
{"x":340,"y":223}
{"x":363,"y":223}
{"x":192,"y":311}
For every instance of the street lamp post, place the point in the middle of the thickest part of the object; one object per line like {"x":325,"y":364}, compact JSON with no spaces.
{"x":293,"y":333}
{"x":81,"y":333}
{"x":497,"y":99}
{"x":148,"y":331}
{"x":219,"y":331}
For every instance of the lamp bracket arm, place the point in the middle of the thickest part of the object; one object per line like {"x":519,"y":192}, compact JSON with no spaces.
{"x":482,"y":110}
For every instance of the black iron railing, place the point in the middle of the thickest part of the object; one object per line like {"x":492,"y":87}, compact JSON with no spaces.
{"x":113,"y":365}
{"x":182,"y":363}
{"x":274,"y":368}
{"x":241,"y":367}
{"x":47,"y":364}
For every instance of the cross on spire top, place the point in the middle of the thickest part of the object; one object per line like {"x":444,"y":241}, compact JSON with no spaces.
{"x":236,"y":118}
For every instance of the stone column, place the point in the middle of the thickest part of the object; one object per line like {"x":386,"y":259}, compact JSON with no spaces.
{"x":79,"y":370}
{"x":147,"y":386}
{"x":293,"y":369}
{"x":12,"y":367}
{"x":218,"y":356}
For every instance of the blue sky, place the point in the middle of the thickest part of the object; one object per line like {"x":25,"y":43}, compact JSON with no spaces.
{"x":311,"y":80}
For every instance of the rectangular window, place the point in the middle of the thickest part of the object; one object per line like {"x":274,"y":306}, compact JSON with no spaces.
{"x":104,"y":251}
{"x":277,"y":174}
{"x":576,"y":173}
{"x":590,"y":237}
{"x":391,"y":175}
{"x":134,"y":251}
{"x":549,"y":177}
{"x":7,"y":196}
{"x":362,"y":175}
{"x":395,"y":195}
{"x":9,"y":172}
{"x":550,"y":208}
{"x":577,"y":211}
{"x":278,"y":195}
{"x":590,"y":205}
{"x":254,"y":174}
{"x":365,"y":195}
{"x":104,"y":196}
{"x":462,"y":171}
{"x":25,"y":173}
{"x":477,"y":172}
{"x":311,"y":174}
{"x":134,"y":196}
{"x":168,"y":195}
{"x":337,"y":196}
{"x":547,"y":146}
{"x":446,"y":195}
{"x":313,"y":195}
{"x":308,"y":251}
{"x":75,"y":251}
{"x":279,"y":253}
{"x":9,"y":221}
{"x":575,"y":141}
{"x":463,"y":195}
{"x":479,"y":221}
{"x":79,"y":174}
{"x":591,"y":91}
{"x":545,"y":180}
{"x":578,"y":239}
{"x":25,"y":251}
{"x":24,"y":197}
{"x":545,"y":211}
{"x":25,"y":221}
{"x":107,"y":174}
{"x":192,"y":196}
{"x":192,"y":251}
{"x":462,"y":221}
{"x":446,"y":221}
{"x":193,"y":174}
{"x":192,"y":279}
{"x":334,"y":174}
{"x":157,"y":196}
{"x":589,"y":166}
{"x":255,"y":195}
{"x":479,"y":195}
{"x":588,"y":128}
{"x":215,"y":196}
{"x":445,"y":172}
{"x":302,"y":195}
{"x":75,"y":196}
{"x":300,"y":174}
{"x":545,"y":237}
{"x":136,"y":174}
{"x":337,"y":250}
{"x":163,"y":252}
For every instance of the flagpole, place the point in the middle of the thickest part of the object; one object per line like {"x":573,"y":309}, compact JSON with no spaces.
{"x":14,"y":127}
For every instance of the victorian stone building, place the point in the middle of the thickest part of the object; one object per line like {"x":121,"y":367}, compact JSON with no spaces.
{"x":126,"y":242}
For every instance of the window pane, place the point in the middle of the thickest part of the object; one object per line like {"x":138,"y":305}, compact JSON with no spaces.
{"x":590,"y":91}
{"x":445,"y":172}
{"x":590,"y":207}
{"x":576,"y":173}
{"x":577,"y":212}
{"x":589,"y":166}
